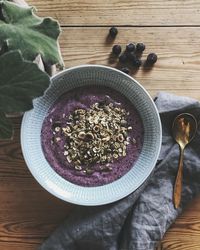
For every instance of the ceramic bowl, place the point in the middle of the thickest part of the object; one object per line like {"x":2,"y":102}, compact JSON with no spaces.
{"x":82,"y":76}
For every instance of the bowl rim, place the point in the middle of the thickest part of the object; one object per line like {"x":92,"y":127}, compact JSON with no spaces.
{"x":92,"y":203}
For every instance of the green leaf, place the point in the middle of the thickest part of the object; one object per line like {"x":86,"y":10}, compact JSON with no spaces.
{"x":21,"y":29}
{"x":20,"y":82}
{"x":6,"y":128}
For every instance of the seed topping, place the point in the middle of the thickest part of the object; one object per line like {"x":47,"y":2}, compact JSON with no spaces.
{"x":98,"y":135}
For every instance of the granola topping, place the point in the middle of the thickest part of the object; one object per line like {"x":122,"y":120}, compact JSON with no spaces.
{"x":92,"y":135}
{"x":98,"y":135}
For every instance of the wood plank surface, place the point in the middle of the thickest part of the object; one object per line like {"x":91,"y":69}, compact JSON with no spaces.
{"x":126,"y":12}
{"x":184,"y":234}
{"x":28,"y":213}
{"x":178,"y":67}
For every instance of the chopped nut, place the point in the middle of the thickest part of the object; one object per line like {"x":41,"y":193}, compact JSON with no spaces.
{"x":66,"y":130}
{"x":77,"y":163}
{"x":123,"y":122}
{"x":134,"y":140}
{"x":57,"y":129}
{"x":56,"y":124}
{"x":96,"y":128}
{"x":111,"y":105}
{"x":53,"y":140}
{"x":81,"y":135}
{"x":74,"y":156}
{"x":103,"y":158}
{"x":95,"y":135}
{"x":89,"y":171}
{"x":79,"y":168}
{"x":120,"y":150}
{"x":124,"y":153}
{"x":115,"y":156}
{"x":107,"y":138}
{"x":69,"y":159}
{"x":96,"y":149}
{"x":120,"y":138}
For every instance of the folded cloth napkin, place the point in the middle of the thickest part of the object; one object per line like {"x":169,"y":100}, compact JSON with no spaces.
{"x":139,"y":221}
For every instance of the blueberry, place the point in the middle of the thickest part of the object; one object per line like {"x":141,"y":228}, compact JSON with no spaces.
{"x":137,"y":63}
{"x":131,"y":56}
{"x":116,"y":49}
{"x":130,"y":47}
{"x":151,"y":58}
{"x":125,"y":70}
{"x":140,"y":47}
{"x":113,"y":32}
{"x":123,"y":58}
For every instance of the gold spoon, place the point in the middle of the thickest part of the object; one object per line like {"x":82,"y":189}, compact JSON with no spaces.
{"x":184,"y":129}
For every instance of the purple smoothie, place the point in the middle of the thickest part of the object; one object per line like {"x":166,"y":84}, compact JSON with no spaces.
{"x":83,"y":98}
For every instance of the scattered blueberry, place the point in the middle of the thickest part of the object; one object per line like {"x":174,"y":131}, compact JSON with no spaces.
{"x":116,"y":49}
{"x":151,"y":58}
{"x":137,"y":63}
{"x":131,"y":56}
{"x":125,"y":70}
{"x":140,"y":47}
{"x":130,"y":47}
{"x":123,"y":58}
{"x":113,"y":32}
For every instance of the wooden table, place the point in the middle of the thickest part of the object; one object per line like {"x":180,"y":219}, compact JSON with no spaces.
{"x":171,"y":28}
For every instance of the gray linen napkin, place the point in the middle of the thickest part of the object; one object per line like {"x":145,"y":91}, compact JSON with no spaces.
{"x":139,"y":221}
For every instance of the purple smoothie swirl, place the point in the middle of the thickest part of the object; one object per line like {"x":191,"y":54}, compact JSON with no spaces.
{"x":54,"y":143}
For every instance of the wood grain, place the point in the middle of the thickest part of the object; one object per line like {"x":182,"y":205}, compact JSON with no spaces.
{"x":178,"y":67}
{"x":24,"y":221}
{"x":185,"y":232}
{"x":28,"y":213}
{"x":115,"y":12}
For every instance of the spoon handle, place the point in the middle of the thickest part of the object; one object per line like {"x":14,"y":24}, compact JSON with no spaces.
{"x":178,"y":182}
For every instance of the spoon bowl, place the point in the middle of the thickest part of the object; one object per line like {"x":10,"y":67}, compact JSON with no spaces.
{"x":184,"y":129}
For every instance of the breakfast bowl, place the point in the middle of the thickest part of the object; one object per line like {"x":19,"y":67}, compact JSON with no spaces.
{"x":75,"y":79}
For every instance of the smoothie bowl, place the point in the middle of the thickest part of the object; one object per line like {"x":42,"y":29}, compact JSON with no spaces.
{"x":94,"y":137}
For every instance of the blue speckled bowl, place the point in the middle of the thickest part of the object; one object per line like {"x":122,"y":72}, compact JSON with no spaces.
{"x":54,"y":183}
